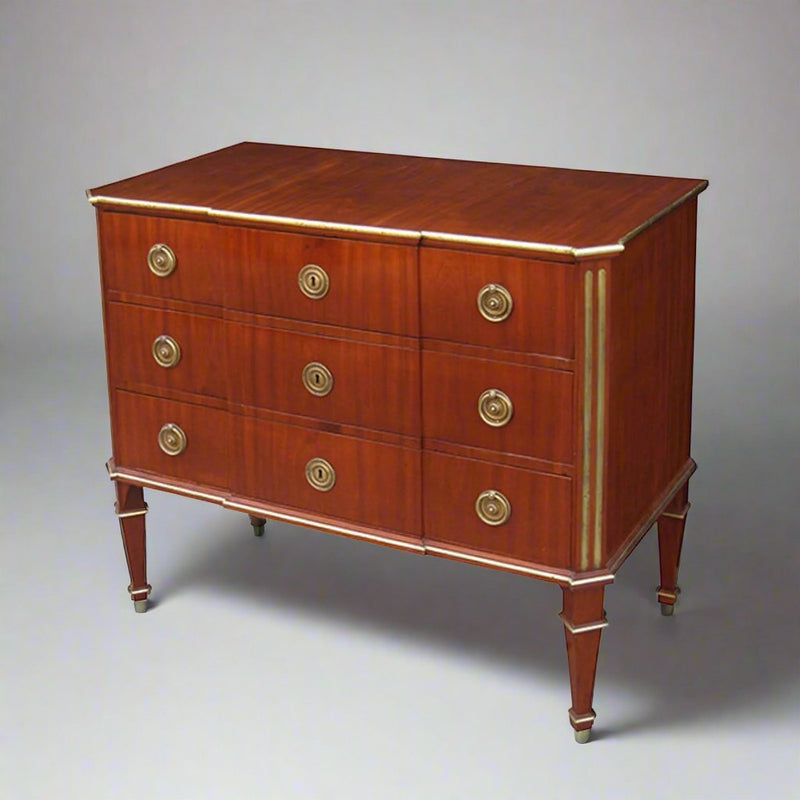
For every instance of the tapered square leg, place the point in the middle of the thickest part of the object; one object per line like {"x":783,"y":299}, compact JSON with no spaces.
{"x":131,"y":509}
{"x":259,"y":524}
{"x":584,"y":619}
{"x":671,"y":525}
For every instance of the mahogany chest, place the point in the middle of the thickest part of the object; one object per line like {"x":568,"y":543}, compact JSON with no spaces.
{"x":484,"y":362}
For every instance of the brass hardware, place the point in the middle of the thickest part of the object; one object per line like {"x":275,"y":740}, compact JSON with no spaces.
{"x":495,"y":408}
{"x":588,"y":379}
{"x":318,"y":379}
{"x":172,"y":439}
{"x":166,"y":351}
{"x":493,"y":507}
{"x":161,"y":260}
{"x":600,"y":436}
{"x":320,"y":474}
{"x":495,"y":302}
{"x":313,"y":281}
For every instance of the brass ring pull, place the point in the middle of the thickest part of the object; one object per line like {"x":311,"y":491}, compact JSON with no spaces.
{"x":320,"y":474}
{"x":166,"y":351}
{"x":318,"y":379}
{"x":495,"y":408}
{"x":492,"y":507}
{"x":313,"y":281}
{"x":161,"y":260}
{"x":495,"y":302}
{"x":171,"y":439}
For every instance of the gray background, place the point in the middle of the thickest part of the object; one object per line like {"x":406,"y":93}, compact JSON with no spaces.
{"x":311,"y":666}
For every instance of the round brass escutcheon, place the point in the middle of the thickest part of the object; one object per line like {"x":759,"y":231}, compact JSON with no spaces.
{"x":166,"y":351}
{"x":495,"y":408}
{"x":318,"y":379}
{"x":172,"y":439}
{"x":313,"y":281}
{"x":495,"y":302}
{"x":161,"y":260}
{"x":320,"y":474}
{"x":493,"y":507}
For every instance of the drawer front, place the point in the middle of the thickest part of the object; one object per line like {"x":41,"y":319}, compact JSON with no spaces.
{"x":368,"y":385}
{"x":375,"y":484}
{"x":541,"y":401}
{"x":537,"y":530}
{"x":369,"y":286}
{"x":166,"y":349}
{"x":140,"y":419}
{"x":541,"y":314}
{"x":127,"y":239}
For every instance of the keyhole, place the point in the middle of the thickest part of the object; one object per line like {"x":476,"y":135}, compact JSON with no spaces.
{"x":313,"y":281}
{"x":316,"y":378}
{"x":319,"y":474}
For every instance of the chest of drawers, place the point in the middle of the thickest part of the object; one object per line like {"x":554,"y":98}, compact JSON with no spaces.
{"x":484,"y":362}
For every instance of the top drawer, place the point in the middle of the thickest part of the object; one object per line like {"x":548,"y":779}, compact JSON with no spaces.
{"x":127,"y":239}
{"x":321,"y":279}
{"x":497,"y":301}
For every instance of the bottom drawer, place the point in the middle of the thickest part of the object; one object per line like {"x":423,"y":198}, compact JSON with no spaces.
{"x":339,"y":476}
{"x":197,"y":442}
{"x":538,"y":507}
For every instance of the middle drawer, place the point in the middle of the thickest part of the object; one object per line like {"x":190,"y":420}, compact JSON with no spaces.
{"x":337,"y":380}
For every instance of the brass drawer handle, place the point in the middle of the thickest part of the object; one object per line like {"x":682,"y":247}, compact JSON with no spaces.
{"x":171,"y":439}
{"x":313,"y":281}
{"x":161,"y":260}
{"x":320,"y":474}
{"x":318,"y":379}
{"x":166,"y":351}
{"x":495,"y":408}
{"x":493,"y":507}
{"x":495,"y":302}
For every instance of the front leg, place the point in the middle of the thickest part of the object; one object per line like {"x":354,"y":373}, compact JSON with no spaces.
{"x":584,"y":619}
{"x":131,"y":509}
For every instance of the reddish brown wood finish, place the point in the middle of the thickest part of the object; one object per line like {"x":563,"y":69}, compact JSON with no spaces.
{"x":126,"y":239}
{"x":131,"y":332}
{"x":541,"y":320}
{"x":376,"y":484}
{"x":139,"y":418}
{"x":130,"y":508}
{"x":542,"y":422}
{"x":531,"y":204}
{"x":650,"y":347}
{"x":374,"y":386}
{"x":362,"y":276}
{"x":582,"y":606}
{"x":539,"y":526}
{"x":671,"y":525}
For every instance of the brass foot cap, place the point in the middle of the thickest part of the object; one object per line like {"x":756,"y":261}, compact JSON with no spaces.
{"x":140,"y":606}
{"x":667,"y":610}
{"x":258,"y":530}
{"x":582,"y":737}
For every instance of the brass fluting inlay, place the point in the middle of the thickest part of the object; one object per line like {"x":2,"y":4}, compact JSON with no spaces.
{"x":495,"y":408}
{"x":495,"y":302}
{"x":492,"y":507}
{"x":313,"y":281}
{"x":166,"y":351}
{"x":320,"y":474}
{"x":171,"y":439}
{"x":161,"y":260}
{"x":600,"y":438}
{"x":318,"y":379}
{"x":588,"y":377}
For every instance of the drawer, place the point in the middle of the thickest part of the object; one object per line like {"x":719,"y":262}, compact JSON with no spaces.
{"x":537,"y":530}
{"x":190,"y":349}
{"x":541,"y":402}
{"x":138,"y":422}
{"x":541,"y":304}
{"x":362,"y":284}
{"x":127,"y":239}
{"x":368,"y":385}
{"x":375,"y":484}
